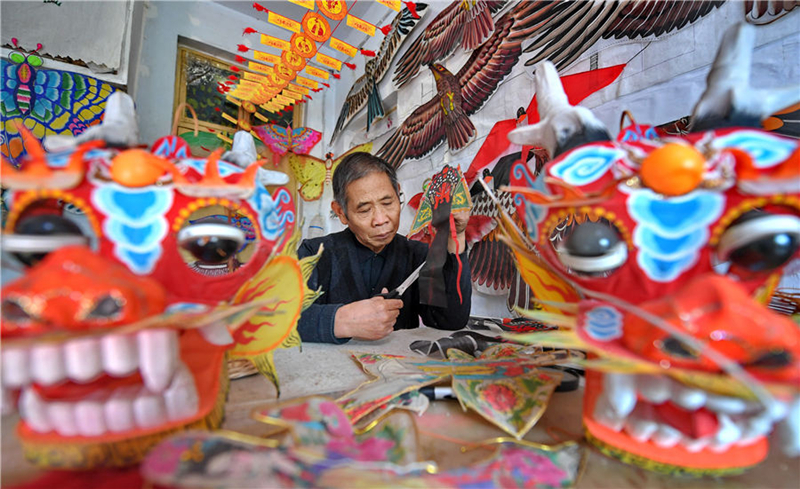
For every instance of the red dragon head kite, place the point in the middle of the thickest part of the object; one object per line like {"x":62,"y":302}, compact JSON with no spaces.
{"x":144,"y":272}
{"x":659,"y":256}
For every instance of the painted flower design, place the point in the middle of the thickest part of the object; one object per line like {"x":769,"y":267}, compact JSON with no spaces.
{"x":501,"y":397}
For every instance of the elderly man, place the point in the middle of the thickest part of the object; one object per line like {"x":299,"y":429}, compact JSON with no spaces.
{"x":369,"y":258}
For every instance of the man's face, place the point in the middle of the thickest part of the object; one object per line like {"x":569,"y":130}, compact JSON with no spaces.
{"x":373,"y":210}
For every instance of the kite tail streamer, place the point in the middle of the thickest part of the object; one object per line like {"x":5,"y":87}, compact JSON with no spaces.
{"x":454,"y":236}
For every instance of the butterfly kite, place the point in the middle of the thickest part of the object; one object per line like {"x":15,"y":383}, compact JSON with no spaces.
{"x":45,"y":101}
{"x":314,"y":175}
{"x":285,"y":139}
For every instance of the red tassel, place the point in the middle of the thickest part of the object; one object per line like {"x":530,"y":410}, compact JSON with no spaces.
{"x":290,"y":108}
{"x":220,"y":90}
{"x":260,"y":8}
{"x":205,"y":149}
{"x":385,"y":29}
{"x":210,"y":130}
{"x":350,"y":65}
{"x":229,"y":82}
{"x":326,"y":85}
{"x":232,"y":77}
{"x":240,"y":59}
{"x":316,"y":89}
{"x":367,"y":52}
{"x":454,"y":237}
{"x":217,"y":109}
{"x":412,"y":7}
{"x":336,"y":75}
{"x":237,"y":70}
{"x":249,"y":30}
{"x":243,"y":48}
{"x":309,"y":97}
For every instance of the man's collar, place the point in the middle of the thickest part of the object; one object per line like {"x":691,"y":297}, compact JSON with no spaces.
{"x":367,"y":253}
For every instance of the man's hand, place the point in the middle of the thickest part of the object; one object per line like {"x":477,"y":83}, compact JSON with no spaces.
{"x":460,"y":219}
{"x":369,"y":319}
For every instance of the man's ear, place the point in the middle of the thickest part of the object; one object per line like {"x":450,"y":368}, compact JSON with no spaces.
{"x":337,"y":209}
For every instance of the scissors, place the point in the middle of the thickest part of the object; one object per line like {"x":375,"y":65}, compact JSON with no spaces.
{"x":396,"y":293}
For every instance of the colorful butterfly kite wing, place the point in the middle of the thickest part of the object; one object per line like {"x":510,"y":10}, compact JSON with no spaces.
{"x":310,"y":174}
{"x":303,"y":139}
{"x":274,"y":136}
{"x":46,"y":101}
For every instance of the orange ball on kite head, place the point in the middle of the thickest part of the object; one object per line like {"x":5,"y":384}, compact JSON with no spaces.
{"x":137,"y":168}
{"x":673,"y":169}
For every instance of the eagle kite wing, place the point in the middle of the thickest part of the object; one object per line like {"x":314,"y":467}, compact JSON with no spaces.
{"x":365,"y":90}
{"x":572,"y":27}
{"x":459,"y":23}
{"x":422,"y":132}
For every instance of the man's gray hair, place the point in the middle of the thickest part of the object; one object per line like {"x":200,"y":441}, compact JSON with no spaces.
{"x":355,"y":166}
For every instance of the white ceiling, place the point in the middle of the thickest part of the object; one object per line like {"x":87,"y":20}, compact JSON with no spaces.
{"x":368,"y":10}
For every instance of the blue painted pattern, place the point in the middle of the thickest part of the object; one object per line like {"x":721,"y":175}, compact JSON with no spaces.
{"x":604,"y":323}
{"x":135,"y":222}
{"x":670,"y":232}
{"x":586,"y":165}
{"x":272,"y":219}
{"x":765,"y":149}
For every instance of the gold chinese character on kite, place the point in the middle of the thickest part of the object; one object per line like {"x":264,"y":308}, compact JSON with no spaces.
{"x":303,"y":45}
{"x":316,"y":27}
{"x":333,"y":9}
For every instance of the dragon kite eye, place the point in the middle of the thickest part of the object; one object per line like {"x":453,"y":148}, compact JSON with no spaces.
{"x":592,"y":248}
{"x":211,"y":242}
{"x":14,"y":312}
{"x":772,"y":359}
{"x":37,"y":235}
{"x":759,"y":241}
{"x":17,"y":58}
{"x":35,"y":61}
{"x":107,"y":307}
{"x":676,"y":348}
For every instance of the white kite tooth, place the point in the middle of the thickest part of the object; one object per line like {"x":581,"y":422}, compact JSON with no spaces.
{"x":726,"y":404}
{"x":158,"y":357}
{"x":606,"y":415}
{"x":688,"y":398}
{"x":666,"y":436}
{"x":640,"y":429}
{"x":181,"y":397}
{"x":62,"y":418}
{"x":620,"y":391}
{"x":120,"y":354}
{"x":89,"y":416}
{"x":118,"y":409}
{"x":728,"y":431}
{"x":47,"y":364}
{"x":654,"y":388}
{"x":16,"y":366}
{"x":34,"y":411}
{"x":83,"y":360}
{"x":695,"y":446}
{"x":149,"y":409}
{"x":217,"y":334}
{"x":789,"y":430}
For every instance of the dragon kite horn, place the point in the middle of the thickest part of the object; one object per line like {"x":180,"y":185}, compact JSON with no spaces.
{"x":729,"y":100}
{"x":562,"y":126}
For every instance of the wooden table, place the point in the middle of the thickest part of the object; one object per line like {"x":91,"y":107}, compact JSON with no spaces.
{"x":328,"y":369}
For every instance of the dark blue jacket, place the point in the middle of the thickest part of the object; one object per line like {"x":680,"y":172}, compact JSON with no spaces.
{"x":339,"y":274}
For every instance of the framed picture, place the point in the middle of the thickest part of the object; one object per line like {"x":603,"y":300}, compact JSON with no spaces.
{"x":196,"y":78}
